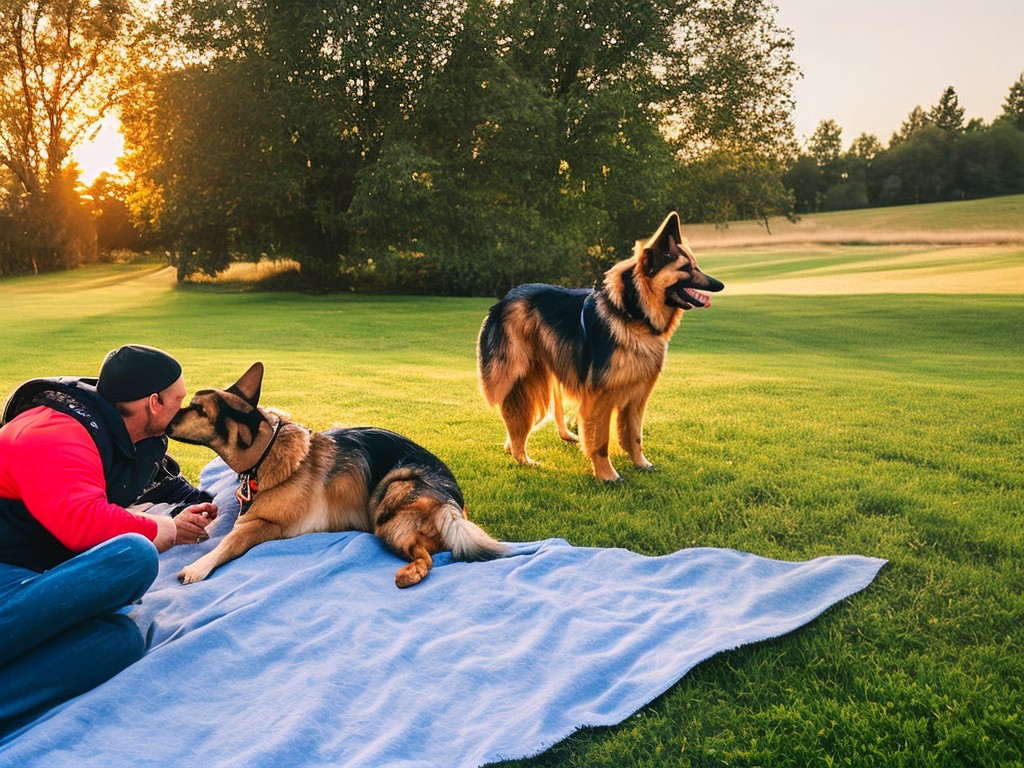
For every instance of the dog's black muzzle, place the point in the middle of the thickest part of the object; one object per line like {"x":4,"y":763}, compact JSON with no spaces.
{"x":688,"y":295}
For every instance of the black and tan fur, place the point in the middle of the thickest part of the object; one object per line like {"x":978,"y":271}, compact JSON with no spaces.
{"x":605,"y":347}
{"x":358,"y":479}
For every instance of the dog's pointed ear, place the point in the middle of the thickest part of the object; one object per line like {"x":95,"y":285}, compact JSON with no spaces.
{"x":661,"y":248}
{"x":248,"y":386}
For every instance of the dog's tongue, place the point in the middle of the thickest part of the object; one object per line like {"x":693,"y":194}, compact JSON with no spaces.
{"x":699,"y":299}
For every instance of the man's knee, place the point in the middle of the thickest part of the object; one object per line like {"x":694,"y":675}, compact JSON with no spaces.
{"x":122,"y":639}
{"x":134,"y":562}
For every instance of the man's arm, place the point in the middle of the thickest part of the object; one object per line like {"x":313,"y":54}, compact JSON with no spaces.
{"x":59,"y":477}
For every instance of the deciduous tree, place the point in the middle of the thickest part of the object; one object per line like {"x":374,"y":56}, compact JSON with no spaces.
{"x":440,"y":146}
{"x":59,"y":67}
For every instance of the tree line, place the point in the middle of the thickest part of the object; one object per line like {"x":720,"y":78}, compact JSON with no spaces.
{"x":444,"y":146}
{"x":447,"y":146}
{"x":936,"y":155}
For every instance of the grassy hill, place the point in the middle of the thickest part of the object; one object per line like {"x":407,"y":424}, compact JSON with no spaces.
{"x":974,"y":247}
{"x":888,"y":424}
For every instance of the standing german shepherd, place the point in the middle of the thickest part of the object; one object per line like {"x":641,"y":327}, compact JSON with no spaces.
{"x":605,"y":347}
{"x":293,"y":481}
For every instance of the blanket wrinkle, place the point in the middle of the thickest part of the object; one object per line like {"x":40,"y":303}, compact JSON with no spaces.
{"x":302,"y":653}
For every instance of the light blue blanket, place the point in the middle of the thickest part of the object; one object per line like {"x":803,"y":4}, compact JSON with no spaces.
{"x":303,"y":652}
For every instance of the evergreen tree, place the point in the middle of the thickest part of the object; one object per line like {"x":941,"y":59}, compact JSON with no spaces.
{"x":916,"y":120}
{"x":948,"y":114}
{"x":1013,"y":107}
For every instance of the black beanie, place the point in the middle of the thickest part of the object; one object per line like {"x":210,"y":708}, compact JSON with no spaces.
{"x":135,"y":371}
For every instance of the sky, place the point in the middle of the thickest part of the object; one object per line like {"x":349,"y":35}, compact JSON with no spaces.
{"x":867,"y":64}
{"x":100,"y":153}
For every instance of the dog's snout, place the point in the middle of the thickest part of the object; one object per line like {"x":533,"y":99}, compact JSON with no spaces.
{"x":180,"y":416}
{"x":712,"y":284}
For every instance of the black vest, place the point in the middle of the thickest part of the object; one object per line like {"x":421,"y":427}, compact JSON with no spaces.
{"x":128,"y":469}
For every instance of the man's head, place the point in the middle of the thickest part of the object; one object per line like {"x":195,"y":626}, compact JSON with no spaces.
{"x":146,"y":385}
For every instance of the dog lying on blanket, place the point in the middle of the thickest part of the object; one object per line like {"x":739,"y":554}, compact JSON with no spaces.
{"x":294,"y":481}
{"x":605,"y":347}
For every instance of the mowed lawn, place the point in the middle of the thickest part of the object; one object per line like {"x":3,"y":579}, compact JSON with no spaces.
{"x":789,"y":423}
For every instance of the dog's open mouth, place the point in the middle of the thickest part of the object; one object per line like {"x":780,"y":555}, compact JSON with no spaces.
{"x":688,"y":298}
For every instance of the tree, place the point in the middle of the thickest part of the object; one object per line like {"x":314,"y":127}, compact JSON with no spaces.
{"x":1013,"y":107}
{"x":803,"y":178}
{"x":826,"y":144}
{"x":731,"y":75}
{"x":114,"y":229}
{"x":59,"y":63}
{"x":320,"y":86}
{"x":916,"y":120}
{"x":439,"y":146}
{"x":729,"y":186}
{"x":866,"y":147}
{"x":858,"y":164}
{"x":916,"y":170}
{"x":948,"y":114}
{"x":992,"y":161}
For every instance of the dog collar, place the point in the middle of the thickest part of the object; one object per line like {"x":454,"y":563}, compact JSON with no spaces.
{"x":248,"y":486}
{"x":635,"y":312}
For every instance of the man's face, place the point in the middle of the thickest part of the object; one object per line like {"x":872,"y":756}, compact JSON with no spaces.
{"x":166,"y":407}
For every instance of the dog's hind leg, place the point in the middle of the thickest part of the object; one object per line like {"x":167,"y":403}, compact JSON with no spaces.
{"x":526,"y":403}
{"x":247,"y":533}
{"x":420,"y":563}
{"x":563,"y":428}
{"x":404,"y":518}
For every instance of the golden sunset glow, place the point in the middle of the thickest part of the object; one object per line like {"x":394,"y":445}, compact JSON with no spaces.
{"x":101,"y":152}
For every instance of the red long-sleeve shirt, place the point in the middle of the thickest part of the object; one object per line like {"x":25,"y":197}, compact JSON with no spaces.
{"x":50,"y":463}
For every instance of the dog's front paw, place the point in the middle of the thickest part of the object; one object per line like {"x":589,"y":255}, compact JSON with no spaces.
{"x":646,"y":467}
{"x":190,"y":574}
{"x":525,"y":461}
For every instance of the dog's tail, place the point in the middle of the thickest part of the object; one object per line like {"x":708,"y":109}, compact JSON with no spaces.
{"x":466,"y":539}
{"x":504,"y":355}
{"x":492,"y":353}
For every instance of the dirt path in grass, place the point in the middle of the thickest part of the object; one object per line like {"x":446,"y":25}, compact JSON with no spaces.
{"x":1006,"y":280}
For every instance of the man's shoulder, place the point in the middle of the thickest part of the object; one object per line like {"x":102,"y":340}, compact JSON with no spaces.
{"x":45,"y":422}
{"x":71,"y":394}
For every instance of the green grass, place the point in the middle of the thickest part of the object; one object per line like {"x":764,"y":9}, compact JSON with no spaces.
{"x":791,"y":427}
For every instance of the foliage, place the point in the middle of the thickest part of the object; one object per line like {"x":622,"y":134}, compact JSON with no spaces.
{"x":50,"y":230}
{"x":826,"y":145}
{"x":948,"y":115}
{"x":59,"y":65}
{"x":445,"y":147}
{"x":114,"y":227}
{"x":1013,"y":107}
{"x":732,"y":83}
{"x":933,"y":157}
{"x":731,"y":186}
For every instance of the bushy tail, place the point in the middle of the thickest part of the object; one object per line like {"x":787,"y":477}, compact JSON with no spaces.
{"x":466,"y":539}
{"x":492,"y":355}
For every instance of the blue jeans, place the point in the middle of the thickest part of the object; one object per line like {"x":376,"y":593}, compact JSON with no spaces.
{"x":61,"y":632}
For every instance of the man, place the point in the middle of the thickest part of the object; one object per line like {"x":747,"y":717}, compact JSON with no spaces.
{"x":75,"y":455}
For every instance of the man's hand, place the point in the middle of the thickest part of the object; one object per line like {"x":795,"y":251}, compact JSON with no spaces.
{"x":191,"y":523}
